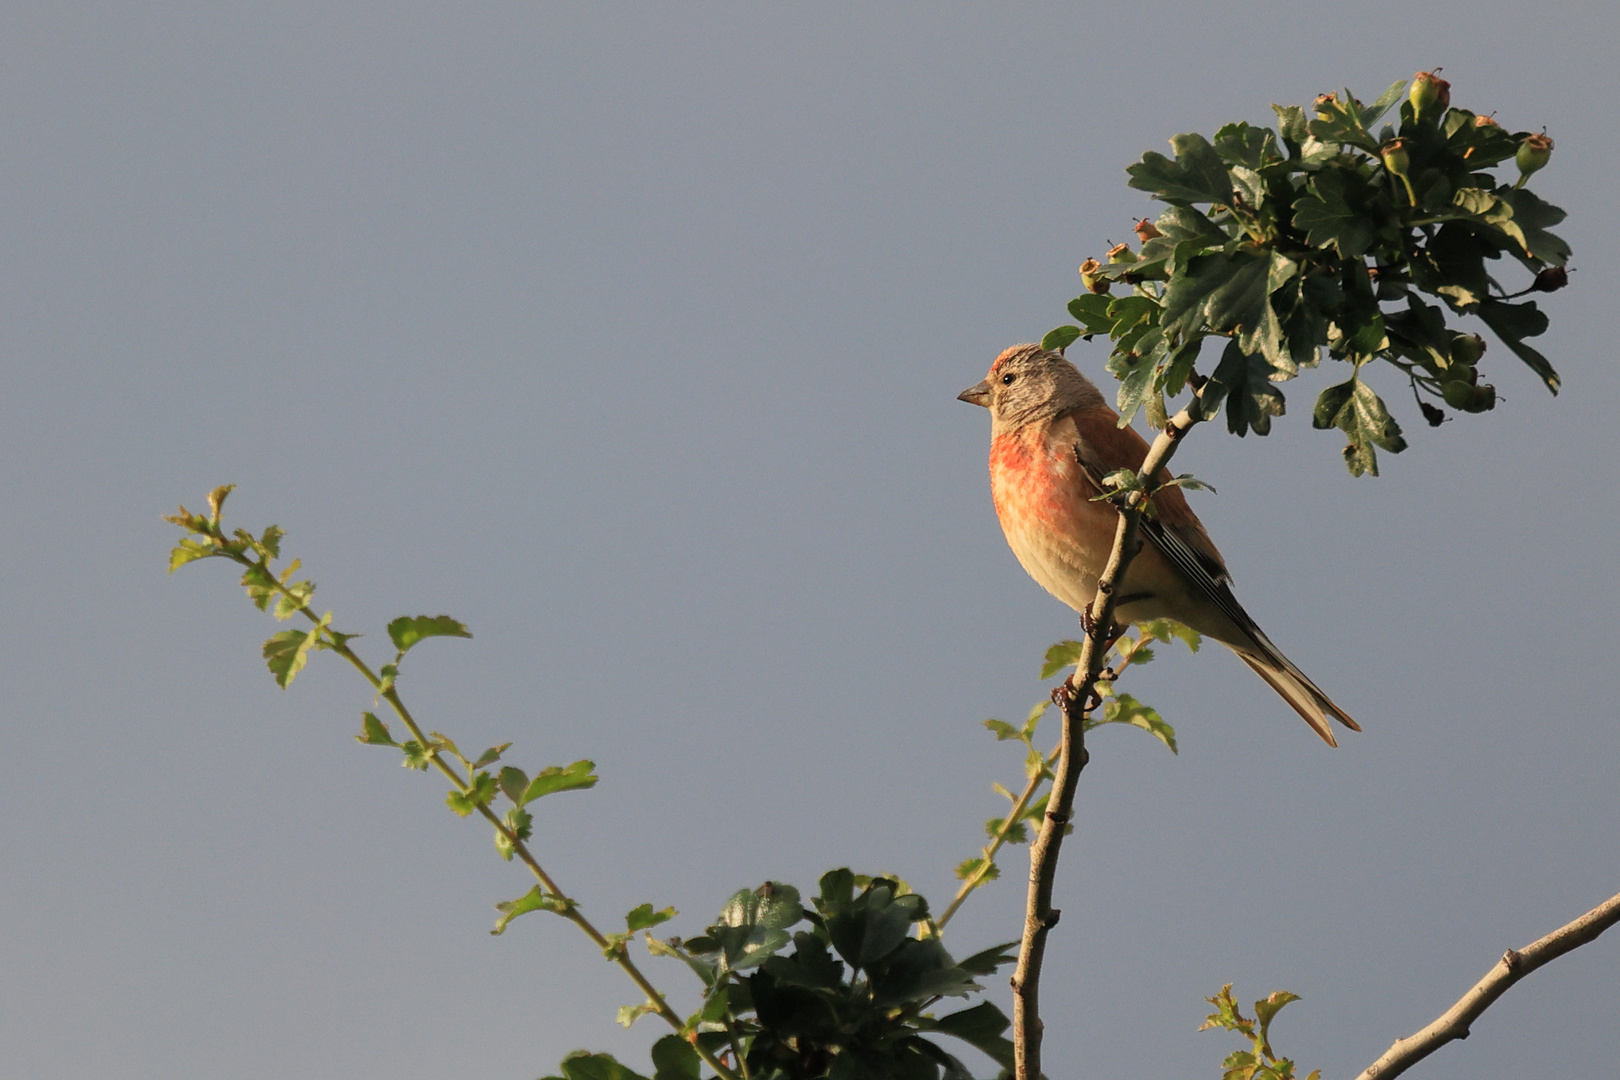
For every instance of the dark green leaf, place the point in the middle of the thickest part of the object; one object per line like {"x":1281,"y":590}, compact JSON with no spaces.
{"x":1244,"y":144}
{"x":987,"y":961}
{"x":1196,"y":175}
{"x":408,"y":630}
{"x":1531,"y":219}
{"x":1251,"y":398}
{"x":1515,"y":322}
{"x":1091,"y":311}
{"x":1354,"y":408}
{"x":1230,"y":293}
{"x":553,"y":778}
{"x":1061,"y":338}
{"x":980,"y":1027}
{"x":1324,"y":211}
{"x":674,"y":1058}
{"x":583,"y":1065}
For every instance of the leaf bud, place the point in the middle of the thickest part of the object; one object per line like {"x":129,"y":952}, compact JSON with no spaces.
{"x":1533,"y":155}
{"x":1551,"y":279}
{"x":1116,"y":251}
{"x":1146,"y":230}
{"x":1088,"y":277}
{"x":1466,"y":349}
{"x":1430,"y":94}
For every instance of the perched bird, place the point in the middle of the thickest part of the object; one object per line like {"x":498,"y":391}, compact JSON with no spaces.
{"x":1052,"y":439}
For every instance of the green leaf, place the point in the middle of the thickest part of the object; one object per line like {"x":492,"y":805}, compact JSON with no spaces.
{"x":987,"y":961}
{"x":533,"y":900}
{"x":1034,"y":718}
{"x":969,"y":867}
{"x":583,"y":1065}
{"x":1325,"y":212}
{"x":1244,"y":144}
{"x":1002,"y":730}
{"x":1515,"y":322}
{"x":373,"y":732}
{"x":189,"y":550}
{"x":643,"y":916}
{"x":1196,"y":175}
{"x":521,"y":822}
{"x":553,"y":779}
{"x":753,"y":925}
{"x":216,"y":501}
{"x":1529,"y":223}
{"x":1231,"y":294}
{"x":1244,"y":382}
{"x":1125,"y":709}
{"x":629,"y":1014}
{"x":271,"y":540}
{"x":1061,"y":338}
{"x":491,"y":756}
{"x":1375,"y":112}
{"x":1355,"y":409}
{"x":286,"y":652}
{"x":1091,"y":311}
{"x":1181,"y":224}
{"x":1065,"y":654}
{"x":479,"y":793}
{"x":674,"y":1058}
{"x":417,"y":756}
{"x":513,"y":781}
{"x":1265,"y":1010}
{"x":408,"y":630}
{"x":981,"y":1027}
{"x":1340,"y":121}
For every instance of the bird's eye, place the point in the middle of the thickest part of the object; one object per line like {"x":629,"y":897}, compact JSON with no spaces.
{"x":1007,"y":380}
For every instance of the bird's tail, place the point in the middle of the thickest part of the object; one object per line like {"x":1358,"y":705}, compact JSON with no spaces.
{"x":1295,"y":687}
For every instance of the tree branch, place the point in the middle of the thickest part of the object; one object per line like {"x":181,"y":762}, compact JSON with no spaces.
{"x":1514,"y":965}
{"x":1076,"y":698}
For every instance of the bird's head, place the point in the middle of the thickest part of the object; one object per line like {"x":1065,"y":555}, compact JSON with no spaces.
{"x":1029,"y":383}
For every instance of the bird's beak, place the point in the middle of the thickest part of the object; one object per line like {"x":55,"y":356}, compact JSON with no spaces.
{"x":976,"y":395}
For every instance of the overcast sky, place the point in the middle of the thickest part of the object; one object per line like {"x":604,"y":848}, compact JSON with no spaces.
{"x":631,"y":337}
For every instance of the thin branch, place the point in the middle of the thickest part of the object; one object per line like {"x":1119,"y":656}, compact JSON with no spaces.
{"x":1039,"y":915}
{"x":987,"y":857}
{"x":1514,"y":965}
{"x":570,"y":912}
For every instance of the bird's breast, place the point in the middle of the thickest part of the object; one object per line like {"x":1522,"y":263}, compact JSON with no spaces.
{"x":1043,"y":500}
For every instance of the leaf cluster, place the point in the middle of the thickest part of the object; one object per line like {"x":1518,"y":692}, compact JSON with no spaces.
{"x":1318,"y":238}
{"x":842,"y":988}
{"x":1259,"y":1062}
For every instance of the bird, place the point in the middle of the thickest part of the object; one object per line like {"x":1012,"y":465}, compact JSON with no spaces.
{"x":1052,"y":439}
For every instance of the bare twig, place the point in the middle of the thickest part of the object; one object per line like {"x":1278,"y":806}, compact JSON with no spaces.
{"x":1039,"y":915}
{"x":1514,"y":965}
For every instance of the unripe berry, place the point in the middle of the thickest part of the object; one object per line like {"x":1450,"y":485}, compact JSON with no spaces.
{"x":1466,"y":349}
{"x":1116,"y":251}
{"x":1146,"y":230}
{"x":1533,"y":155}
{"x":1430,"y":95}
{"x":1088,"y":277}
{"x":1551,"y":279}
{"x":1396,"y":159}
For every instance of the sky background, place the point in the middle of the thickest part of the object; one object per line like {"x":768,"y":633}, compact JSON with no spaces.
{"x":631,"y":337}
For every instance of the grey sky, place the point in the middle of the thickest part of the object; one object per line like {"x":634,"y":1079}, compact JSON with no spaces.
{"x":631,"y":336}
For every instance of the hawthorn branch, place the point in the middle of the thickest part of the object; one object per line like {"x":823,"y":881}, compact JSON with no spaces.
{"x":1077,"y":697}
{"x":1514,"y":965}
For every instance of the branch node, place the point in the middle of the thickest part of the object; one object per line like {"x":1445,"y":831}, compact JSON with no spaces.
{"x":1511,"y":958}
{"x":1060,"y":818}
{"x":1051,"y":919}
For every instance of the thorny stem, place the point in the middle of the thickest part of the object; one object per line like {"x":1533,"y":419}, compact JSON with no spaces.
{"x":569,"y":910}
{"x":1039,"y":915}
